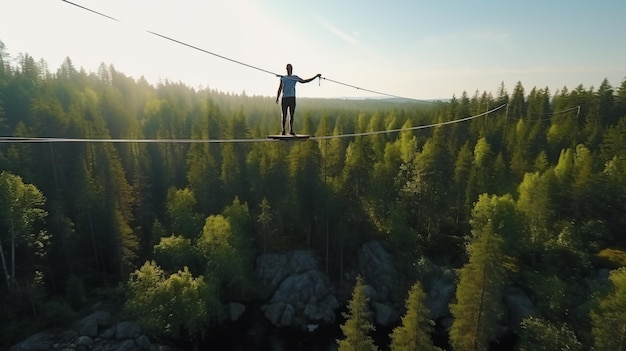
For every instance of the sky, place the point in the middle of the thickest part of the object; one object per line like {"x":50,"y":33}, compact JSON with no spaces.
{"x":415,"y":49}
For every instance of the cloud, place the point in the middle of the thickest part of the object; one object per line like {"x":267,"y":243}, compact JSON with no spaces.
{"x":342,"y":35}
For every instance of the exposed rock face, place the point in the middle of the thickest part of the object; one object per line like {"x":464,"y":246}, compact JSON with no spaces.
{"x":90,"y":325}
{"x":127,"y":330}
{"x":440,"y":287}
{"x":93,"y":332}
{"x":235,"y":310}
{"x":377,"y":268}
{"x":384,"y":314}
{"x":300,"y":293}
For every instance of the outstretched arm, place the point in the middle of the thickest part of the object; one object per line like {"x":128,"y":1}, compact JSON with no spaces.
{"x":280,"y":89}
{"x":310,"y":79}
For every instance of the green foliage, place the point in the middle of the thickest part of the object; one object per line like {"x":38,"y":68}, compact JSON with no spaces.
{"x":183,"y":219}
{"x":20,"y":210}
{"x":478,"y":304}
{"x":56,"y":313}
{"x":243,"y":242}
{"x":158,"y":231}
{"x":127,"y":241}
{"x":266,"y":222}
{"x":238,"y":217}
{"x":608,"y":318}
{"x":224,"y":261}
{"x":498,"y":213}
{"x":434,"y":166}
{"x":178,"y":305}
{"x":554,"y":295}
{"x":616,"y":258}
{"x":540,"y":335}
{"x":534,"y":203}
{"x":561,"y":156}
{"x":175,"y":252}
{"x":358,"y":324}
{"x":415,"y":331}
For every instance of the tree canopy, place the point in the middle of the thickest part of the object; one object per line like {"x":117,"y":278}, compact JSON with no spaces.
{"x":531,"y":195}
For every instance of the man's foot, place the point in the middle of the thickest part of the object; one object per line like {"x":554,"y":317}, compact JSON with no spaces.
{"x":292,"y":133}
{"x":282,"y":133}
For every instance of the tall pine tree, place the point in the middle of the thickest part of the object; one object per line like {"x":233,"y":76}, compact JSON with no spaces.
{"x":478,"y":306}
{"x":414,"y":332}
{"x":608,"y":318}
{"x":358,"y":323}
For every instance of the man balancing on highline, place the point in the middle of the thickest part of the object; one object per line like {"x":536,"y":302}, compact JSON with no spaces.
{"x":288,"y":88}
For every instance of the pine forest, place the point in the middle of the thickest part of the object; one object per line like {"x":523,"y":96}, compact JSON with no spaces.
{"x":528,"y":194}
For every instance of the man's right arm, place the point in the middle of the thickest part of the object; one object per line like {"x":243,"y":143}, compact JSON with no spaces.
{"x":280,"y":89}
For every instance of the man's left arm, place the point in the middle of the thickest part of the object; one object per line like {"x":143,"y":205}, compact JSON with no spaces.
{"x":310,"y":79}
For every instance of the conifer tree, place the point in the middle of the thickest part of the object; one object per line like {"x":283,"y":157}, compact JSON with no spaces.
{"x":462,"y":169}
{"x":478,"y":305}
{"x":202,"y":174}
{"x":358,"y":323}
{"x":435,"y":168}
{"x":180,"y":210}
{"x":608,"y":318}
{"x":541,"y":335}
{"x":414,"y":332}
{"x":21,"y":207}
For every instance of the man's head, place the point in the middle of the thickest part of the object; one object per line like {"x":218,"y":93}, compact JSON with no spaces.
{"x":289,"y":69}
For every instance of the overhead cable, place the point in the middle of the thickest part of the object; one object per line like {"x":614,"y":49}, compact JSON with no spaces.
{"x":180,"y":42}
{"x":12,"y":139}
{"x":409,"y":128}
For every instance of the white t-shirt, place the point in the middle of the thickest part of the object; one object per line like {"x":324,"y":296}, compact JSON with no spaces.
{"x":289,"y":85}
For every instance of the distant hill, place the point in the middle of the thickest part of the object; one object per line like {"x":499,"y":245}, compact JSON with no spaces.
{"x":369,"y":103}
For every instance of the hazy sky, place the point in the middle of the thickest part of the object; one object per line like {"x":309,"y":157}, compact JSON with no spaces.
{"x":417,"y":49}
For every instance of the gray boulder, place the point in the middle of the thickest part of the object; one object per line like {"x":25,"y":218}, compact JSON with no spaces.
{"x":40,"y":341}
{"x":377,"y":268}
{"x":384,"y":314}
{"x":273,"y":311}
{"x":144,"y":343}
{"x":299,"y":292}
{"x":127,"y":345}
{"x":441,"y":290}
{"x":287,"y":316}
{"x":84,"y":341}
{"x":235,"y":310}
{"x":89,"y":326}
{"x":127,"y":330}
{"x":272,"y":269}
{"x":94,"y":332}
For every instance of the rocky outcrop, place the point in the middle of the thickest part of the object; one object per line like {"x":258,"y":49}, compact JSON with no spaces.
{"x":439,"y":284}
{"x":235,"y":310}
{"x":300,"y":294}
{"x":297,"y":294}
{"x":377,"y":268}
{"x":94,"y":332}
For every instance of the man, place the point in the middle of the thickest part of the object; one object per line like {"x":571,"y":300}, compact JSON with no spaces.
{"x":288,"y":88}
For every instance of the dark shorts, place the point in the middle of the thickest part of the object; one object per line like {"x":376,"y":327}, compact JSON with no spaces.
{"x":288,"y":103}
